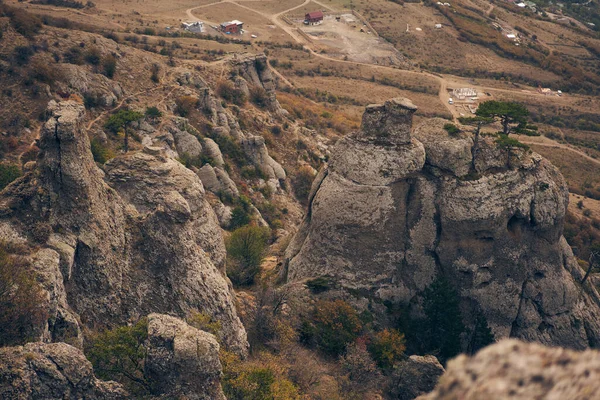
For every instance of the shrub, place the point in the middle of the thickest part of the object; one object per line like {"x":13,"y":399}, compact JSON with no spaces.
{"x":153,"y":113}
{"x":186,"y":104}
{"x":93,"y":56}
{"x":101,"y":152}
{"x":451,"y":129}
{"x":118,"y":354}
{"x":387,"y":347}
{"x":240,"y":216}
{"x":23,"y":22}
{"x":8,"y":173}
{"x":245,"y":251}
{"x":259,"y":96}
{"x":360,"y":367}
{"x":319,"y":285}
{"x":302,"y":183}
{"x":154,"y":71}
{"x":22,"y":54}
{"x":228,"y":92}
{"x":255,"y":380}
{"x":276,"y":130}
{"x":109,"y":66}
{"x":21,"y":300}
{"x":334,"y":324}
{"x":204,"y":322}
{"x":73,"y":56}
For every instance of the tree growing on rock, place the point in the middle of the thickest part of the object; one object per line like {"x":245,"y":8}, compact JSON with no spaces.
{"x":120,"y":121}
{"x":512,"y":116}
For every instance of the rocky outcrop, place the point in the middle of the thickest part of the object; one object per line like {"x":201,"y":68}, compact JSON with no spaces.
{"x":136,"y":239}
{"x":51,"y":371}
{"x":255,"y":148}
{"x":393,"y":211}
{"x":516,"y":370}
{"x":415,"y":376}
{"x":182,"y":361}
{"x":255,"y":71}
{"x":102,"y":90}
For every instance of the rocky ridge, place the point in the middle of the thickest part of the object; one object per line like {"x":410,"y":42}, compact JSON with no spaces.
{"x":119,"y":245}
{"x":396,"y":208}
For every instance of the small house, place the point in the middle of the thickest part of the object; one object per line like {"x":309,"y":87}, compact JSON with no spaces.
{"x":313,"y":18}
{"x":232,"y":27}
{"x":196,"y":26}
{"x":438,"y":26}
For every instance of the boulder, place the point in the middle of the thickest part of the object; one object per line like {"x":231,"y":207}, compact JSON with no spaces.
{"x":415,"y":376}
{"x":182,"y":361}
{"x":51,"y":371}
{"x":518,"y":371}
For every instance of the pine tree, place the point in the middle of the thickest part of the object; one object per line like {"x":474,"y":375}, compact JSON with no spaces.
{"x":443,"y":325}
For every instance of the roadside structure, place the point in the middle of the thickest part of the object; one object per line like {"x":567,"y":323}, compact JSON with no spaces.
{"x":232,"y":27}
{"x":195,"y":26}
{"x":313,"y":18}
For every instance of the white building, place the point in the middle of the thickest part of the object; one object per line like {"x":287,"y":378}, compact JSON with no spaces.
{"x":464,"y":93}
{"x":196,"y":26}
{"x":438,"y":26}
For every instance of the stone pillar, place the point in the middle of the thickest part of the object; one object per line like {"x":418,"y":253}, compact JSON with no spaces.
{"x":390,"y":122}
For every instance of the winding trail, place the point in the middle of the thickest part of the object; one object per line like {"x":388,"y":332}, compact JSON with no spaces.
{"x":546,"y":142}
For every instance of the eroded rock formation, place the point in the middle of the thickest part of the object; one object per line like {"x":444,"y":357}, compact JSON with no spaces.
{"x":51,"y":371}
{"x":394,"y":210}
{"x":137,"y":239}
{"x":516,"y":370}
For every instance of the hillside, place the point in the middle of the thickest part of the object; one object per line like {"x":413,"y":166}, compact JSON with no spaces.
{"x":299,"y":211}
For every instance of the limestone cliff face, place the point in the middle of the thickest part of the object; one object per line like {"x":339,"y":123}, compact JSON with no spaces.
{"x":137,"y":239}
{"x":393,"y":210}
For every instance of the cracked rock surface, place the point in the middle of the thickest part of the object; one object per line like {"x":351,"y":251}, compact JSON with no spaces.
{"x":392,"y":211}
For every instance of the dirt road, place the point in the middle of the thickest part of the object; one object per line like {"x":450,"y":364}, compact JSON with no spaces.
{"x":546,"y":142}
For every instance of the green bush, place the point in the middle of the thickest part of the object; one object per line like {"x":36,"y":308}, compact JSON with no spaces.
{"x":255,"y":380}
{"x":8,"y":173}
{"x":204,"y":322}
{"x":153,"y":113}
{"x":246,"y":248}
{"x":332,"y":326}
{"x":23,"y":22}
{"x":101,"y":152}
{"x":73,"y":56}
{"x":118,"y":354}
{"x":319,"y":285}
{"x":21,"y":300}
{"x":451,"y":129}
{"x":22,"y":54}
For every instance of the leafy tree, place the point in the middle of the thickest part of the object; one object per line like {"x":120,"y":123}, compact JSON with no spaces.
{"x":302,"y":183}
{"x":120,"y":120}
{"x":246,"y":249}
{"x":21,"y":300}
{"x":480,"y":336}
{"x":512,"y":116}
{"x":387,"y":347}
{"x":443,"y":323}
{"x":8,"y":173}
{"x":118,"y":354}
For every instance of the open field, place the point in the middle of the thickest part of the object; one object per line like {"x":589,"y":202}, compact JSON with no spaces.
{"x":349,"y":39}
